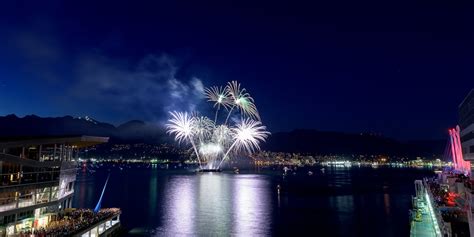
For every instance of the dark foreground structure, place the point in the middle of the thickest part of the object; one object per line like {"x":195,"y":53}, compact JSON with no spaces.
{"x":37,"y":178}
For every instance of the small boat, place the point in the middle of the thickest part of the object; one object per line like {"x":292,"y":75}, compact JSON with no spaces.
{"x":236,"y":170}
{"x":310,"y":173}
{"x":208,"y":170}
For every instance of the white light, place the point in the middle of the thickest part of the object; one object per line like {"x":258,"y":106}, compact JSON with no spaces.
{"x":210,"y":149}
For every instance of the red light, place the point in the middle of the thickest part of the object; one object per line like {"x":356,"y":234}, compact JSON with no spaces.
{"x":456,"y":152}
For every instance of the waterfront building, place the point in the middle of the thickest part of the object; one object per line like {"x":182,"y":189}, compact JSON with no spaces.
{"x":37,"y":181}
{"x":444,"y":206}
{"x":466,"y":122}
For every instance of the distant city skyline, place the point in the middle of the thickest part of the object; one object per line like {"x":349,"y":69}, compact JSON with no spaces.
{"x":396,"y":69}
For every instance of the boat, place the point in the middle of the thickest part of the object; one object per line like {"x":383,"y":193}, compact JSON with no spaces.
{"x":208,"y":170}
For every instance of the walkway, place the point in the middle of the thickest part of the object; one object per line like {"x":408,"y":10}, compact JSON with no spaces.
{"x":425,"y":227}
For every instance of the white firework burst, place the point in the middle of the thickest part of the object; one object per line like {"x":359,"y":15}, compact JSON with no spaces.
{"x":181,"y":125}
{"x":248,"y":134}
{"x":222,"y":134}
{"x":242,"y":100}
{"x":219,"y":95}
{"x":202,"y":127}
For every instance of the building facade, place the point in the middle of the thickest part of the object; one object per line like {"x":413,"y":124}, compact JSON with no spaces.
{"x":37,"y":180}
{"x":466,"y":122}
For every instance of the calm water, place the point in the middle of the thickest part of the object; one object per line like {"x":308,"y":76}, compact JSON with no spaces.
{"x":338,"y":202}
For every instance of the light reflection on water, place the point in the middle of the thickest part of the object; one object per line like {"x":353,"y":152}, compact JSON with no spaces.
{"x":182,"y":203}
{"x":251,"y":206}
{"x":214,"y":205}
{"x":152,"y":201}
{"x":179,"y":212}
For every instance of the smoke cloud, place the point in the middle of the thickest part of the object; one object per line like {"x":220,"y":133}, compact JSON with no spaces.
{"x":147,"y":89}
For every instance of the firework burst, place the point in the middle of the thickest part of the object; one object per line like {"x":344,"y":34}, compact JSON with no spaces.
{"x":202,"y":128}
{"x":181,"y":125}
{"x":218,"y":95}
{"x":242,"y":100}
{"x":248,"y":134}
{"x":213,"y":143}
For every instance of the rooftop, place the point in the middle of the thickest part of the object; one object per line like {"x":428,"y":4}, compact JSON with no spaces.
{"x":78,"y":141}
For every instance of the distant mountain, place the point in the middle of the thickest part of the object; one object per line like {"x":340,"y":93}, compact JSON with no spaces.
{"x":321,"y":142}
{"x":137,"y":130}
{"x":297,"y":141}
{"x":32,"y":125}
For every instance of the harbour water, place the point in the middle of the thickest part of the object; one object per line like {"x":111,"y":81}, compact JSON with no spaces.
{"x":356,"y":201}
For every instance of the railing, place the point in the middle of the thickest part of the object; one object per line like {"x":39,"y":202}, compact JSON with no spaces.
{"x":21,"y":178}
{"x":18,"y":178}
{"x":441,"y":228}
{"x":102,"y":225}
{"x":80,"y":222}
{"x":30,"y":199}
{"x":108,"y":225}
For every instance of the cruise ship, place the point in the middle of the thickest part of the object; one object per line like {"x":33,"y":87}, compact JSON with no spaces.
{"x":37,"y":177}
{"x":444,"y":204}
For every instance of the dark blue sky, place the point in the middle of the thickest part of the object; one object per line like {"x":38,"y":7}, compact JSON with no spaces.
{"x":398,"y":68}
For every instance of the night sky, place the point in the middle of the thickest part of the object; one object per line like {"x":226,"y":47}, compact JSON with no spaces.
{"x":397,"y":68}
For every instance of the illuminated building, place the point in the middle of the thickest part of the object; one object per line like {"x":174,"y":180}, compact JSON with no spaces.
{"x":444,"y":205}
{"x":37,"y":180}
{"x":466,"y":122}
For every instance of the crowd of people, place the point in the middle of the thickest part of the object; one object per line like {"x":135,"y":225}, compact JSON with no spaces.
{"x":439,"y":194}
{"x":445,"y":198}
{"x":454,"y":215}
{"x":72,"y":222}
